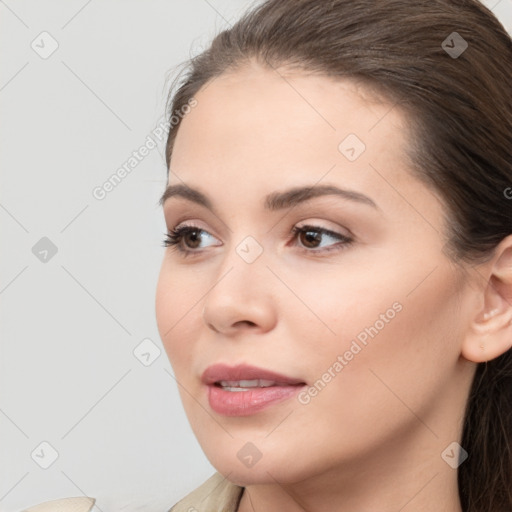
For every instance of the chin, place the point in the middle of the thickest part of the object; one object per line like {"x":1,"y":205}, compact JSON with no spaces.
{"x":267,"y":470}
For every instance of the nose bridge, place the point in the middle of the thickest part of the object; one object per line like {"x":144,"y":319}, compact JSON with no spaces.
{"x":243,"y":269}
{"x":241,"y":291}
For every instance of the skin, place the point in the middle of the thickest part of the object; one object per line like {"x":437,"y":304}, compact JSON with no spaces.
{"x":372,"y":438}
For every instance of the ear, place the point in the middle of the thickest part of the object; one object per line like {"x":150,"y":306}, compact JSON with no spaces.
{"x":490,"y":331}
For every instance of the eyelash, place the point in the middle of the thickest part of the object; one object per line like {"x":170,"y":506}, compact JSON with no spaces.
{"x":175,"y":236}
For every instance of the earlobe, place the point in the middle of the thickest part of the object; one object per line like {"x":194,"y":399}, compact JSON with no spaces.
{"x":490,"y":332}
{"x":489,"y":338}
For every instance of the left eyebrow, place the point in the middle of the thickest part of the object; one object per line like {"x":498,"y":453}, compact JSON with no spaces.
{"x":276,"y":200}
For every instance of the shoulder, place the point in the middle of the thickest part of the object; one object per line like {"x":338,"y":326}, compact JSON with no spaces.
{"x":215,"y":494}
{"x":80,"y":504}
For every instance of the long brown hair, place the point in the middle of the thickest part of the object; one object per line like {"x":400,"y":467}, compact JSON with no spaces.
{"x":448,"y":65}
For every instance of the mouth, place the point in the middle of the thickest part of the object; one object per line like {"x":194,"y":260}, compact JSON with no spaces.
{"x":246,"y":376}
{"x":243,"y":390}
{"x":246,"y":385}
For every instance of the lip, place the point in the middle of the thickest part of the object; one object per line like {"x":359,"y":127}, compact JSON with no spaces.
{"x":217,"y":372}
{"x":245,"y":403}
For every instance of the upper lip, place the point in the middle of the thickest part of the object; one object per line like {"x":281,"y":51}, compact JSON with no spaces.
{"x":218,"y":372}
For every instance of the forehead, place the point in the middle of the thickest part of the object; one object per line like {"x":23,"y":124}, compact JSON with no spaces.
{"x":259,"y":107}
{"x":265,"y":129}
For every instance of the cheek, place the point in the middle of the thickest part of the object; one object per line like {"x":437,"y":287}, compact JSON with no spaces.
{"x":335,"y":306}
{"x":393,"y":345}
{"x":176,"y":304}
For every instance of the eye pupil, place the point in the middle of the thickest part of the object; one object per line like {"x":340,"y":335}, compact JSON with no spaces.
{"x":311,"y":237}
{"x":193,"y":235}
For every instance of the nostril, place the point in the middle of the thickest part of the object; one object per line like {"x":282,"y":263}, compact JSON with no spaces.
{"x":245,"y":322}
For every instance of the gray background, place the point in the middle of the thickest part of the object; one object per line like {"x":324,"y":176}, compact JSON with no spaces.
{"x":73,"y":371}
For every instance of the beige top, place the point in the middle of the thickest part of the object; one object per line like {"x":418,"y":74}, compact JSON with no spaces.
{"x":214,"y":495}
{"x":82,"y":504}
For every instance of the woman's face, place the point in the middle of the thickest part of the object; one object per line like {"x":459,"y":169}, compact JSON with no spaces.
{"x":362,"y":306}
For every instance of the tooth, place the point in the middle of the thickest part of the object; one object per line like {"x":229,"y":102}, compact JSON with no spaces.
{"x":248,"y":383}
{"x":238,"y":385}
{"x":227,"y":383}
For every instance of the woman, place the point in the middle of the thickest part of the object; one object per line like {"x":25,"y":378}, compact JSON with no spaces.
{"x":336,"y":296}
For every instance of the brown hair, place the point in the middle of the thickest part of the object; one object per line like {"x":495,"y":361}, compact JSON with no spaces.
{"x":459,"y":107}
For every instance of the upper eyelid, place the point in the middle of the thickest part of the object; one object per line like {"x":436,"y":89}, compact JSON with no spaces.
{"x":299,"y":224}
{"x":297,"y":227}
{"x":188,"y":210}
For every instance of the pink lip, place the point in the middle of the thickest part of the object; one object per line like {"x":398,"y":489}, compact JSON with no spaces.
{"x":219,"y":372}
{"x":244,"y":403}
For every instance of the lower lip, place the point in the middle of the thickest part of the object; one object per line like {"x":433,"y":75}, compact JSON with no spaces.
{"x":244,"y":403}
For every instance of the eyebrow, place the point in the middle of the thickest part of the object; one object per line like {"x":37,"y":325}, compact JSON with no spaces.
{"x":274,"y":201}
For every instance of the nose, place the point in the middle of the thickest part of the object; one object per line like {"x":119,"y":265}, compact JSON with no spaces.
{"x":241,"y":298}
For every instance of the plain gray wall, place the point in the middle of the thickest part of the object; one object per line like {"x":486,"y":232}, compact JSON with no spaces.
{"x":78,"y":273}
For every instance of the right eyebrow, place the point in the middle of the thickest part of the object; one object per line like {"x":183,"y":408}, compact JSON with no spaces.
{"x":294,"y":196}
{"x":274,"y":201}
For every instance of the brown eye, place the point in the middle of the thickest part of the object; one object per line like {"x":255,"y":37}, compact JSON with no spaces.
{"x":311,"y":237}
{"x":186,"y":239}
{"x":192,"y":238}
